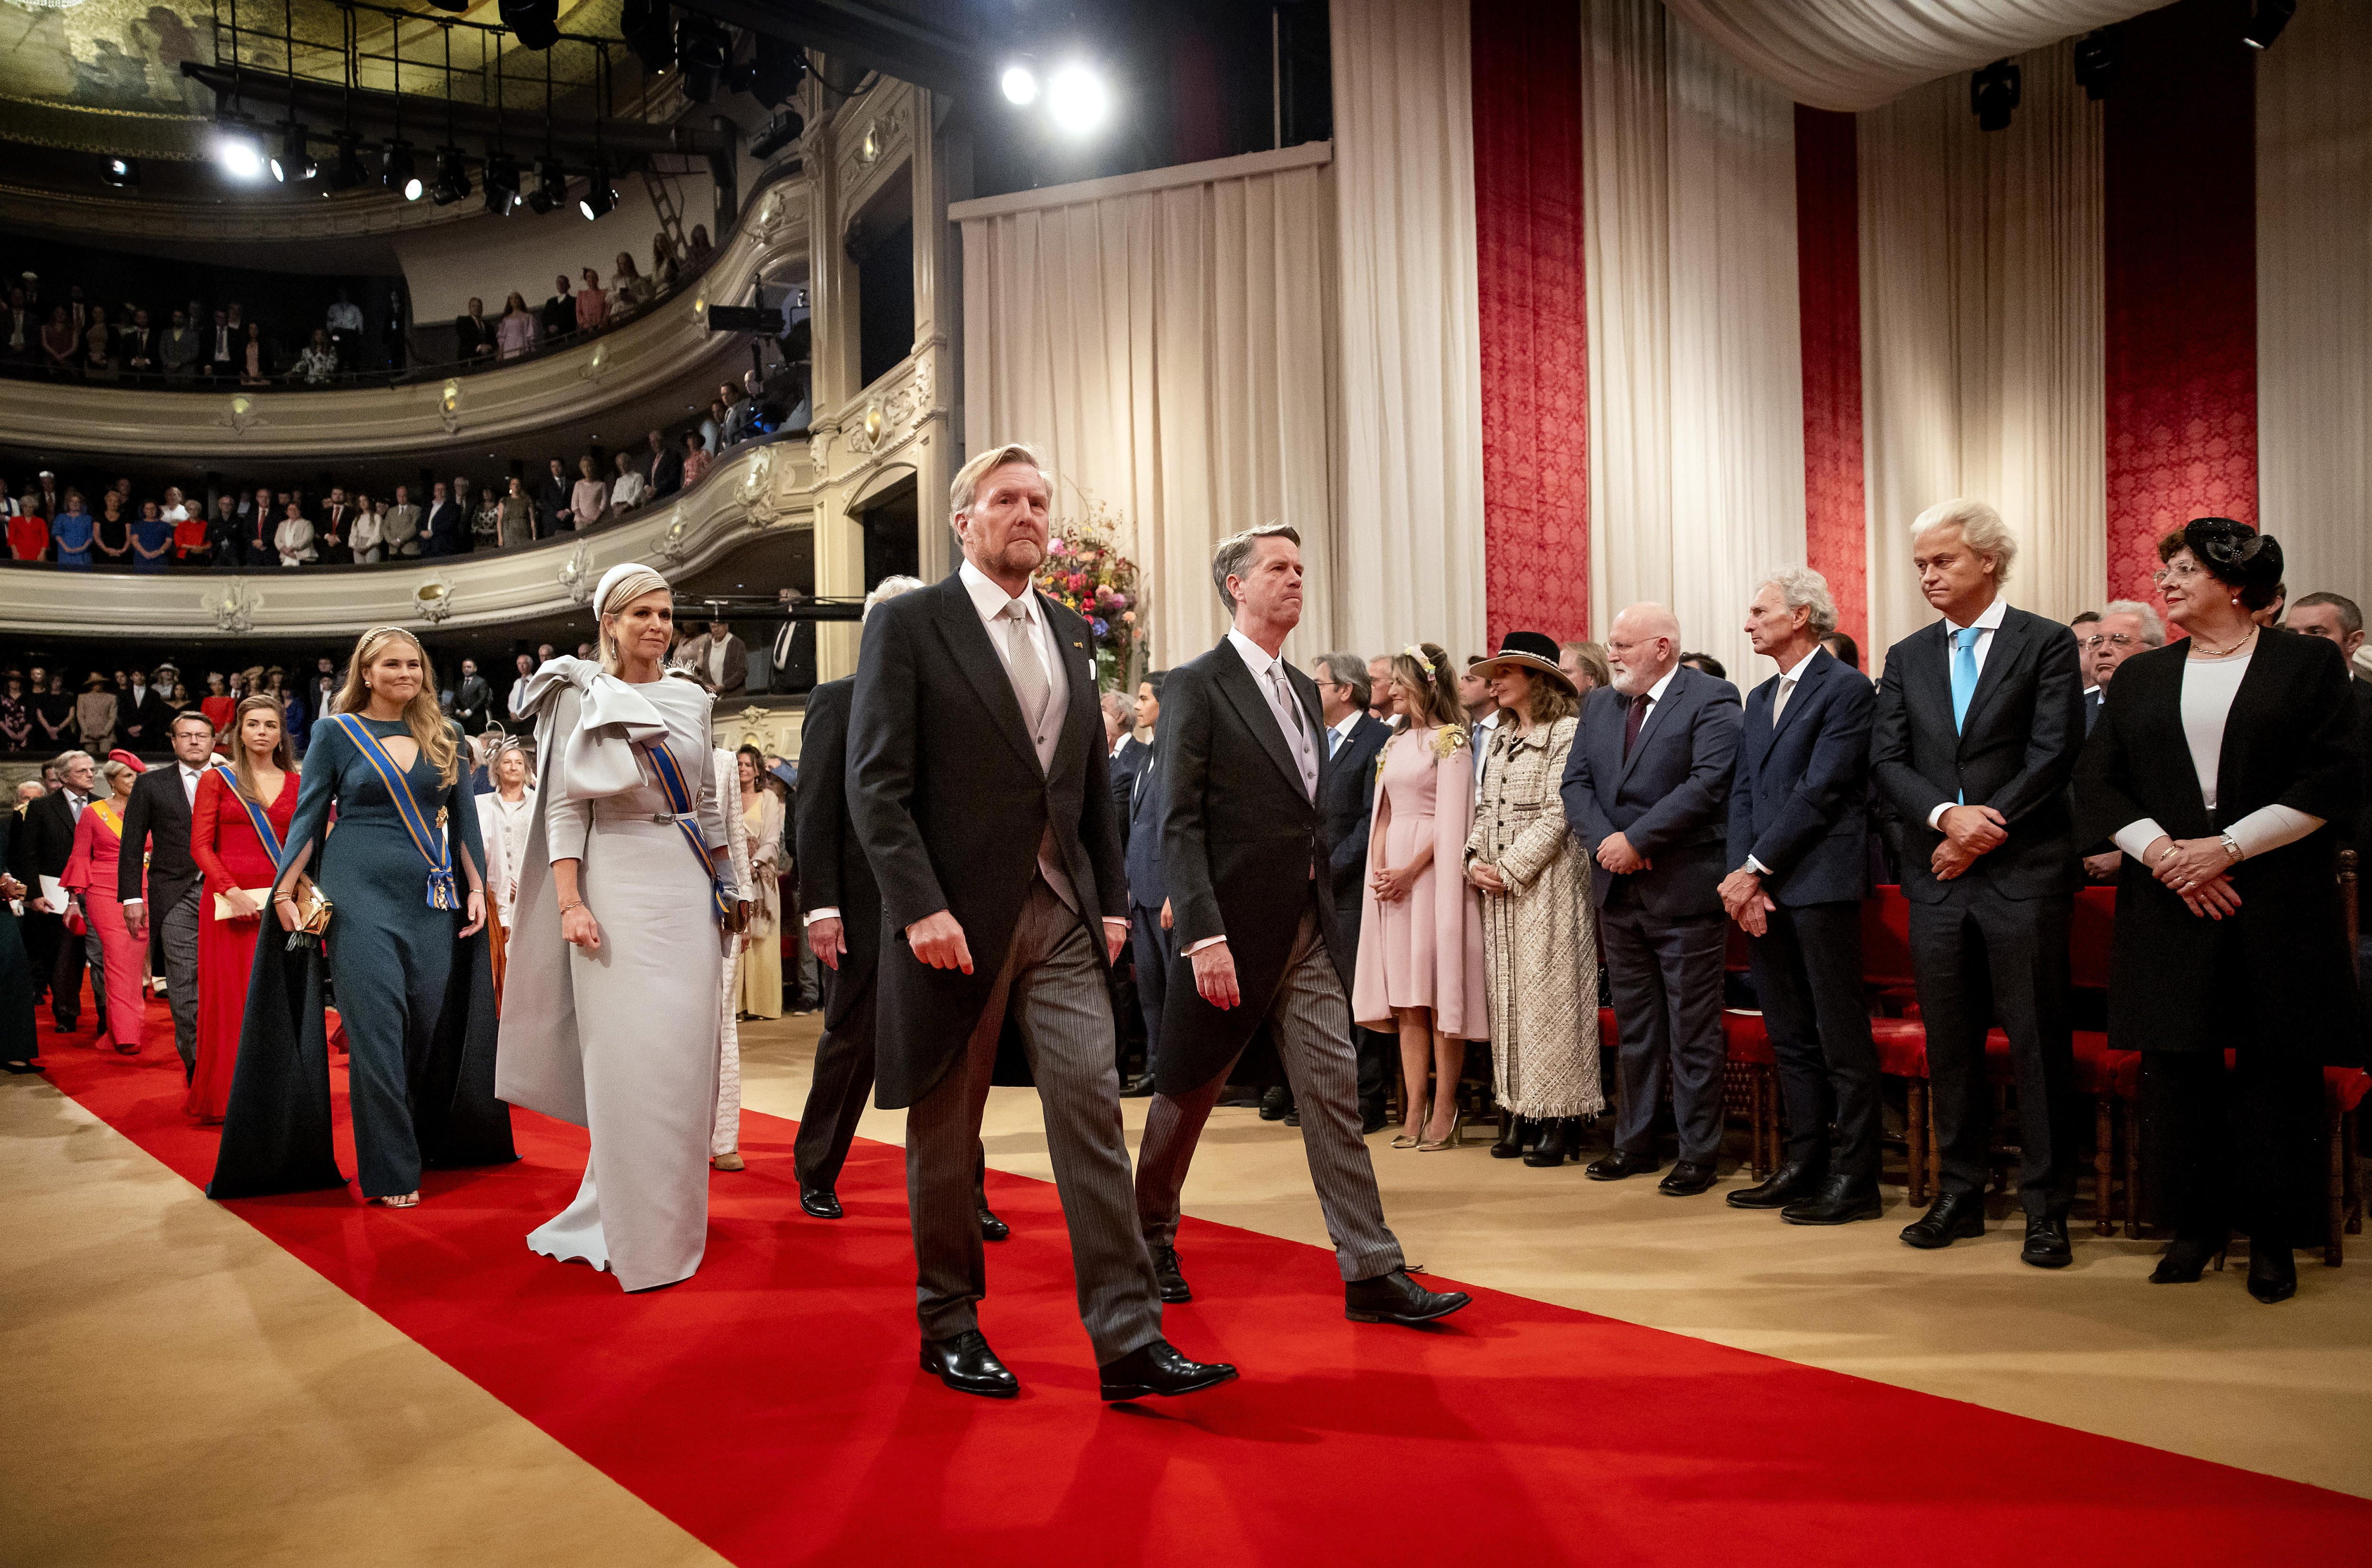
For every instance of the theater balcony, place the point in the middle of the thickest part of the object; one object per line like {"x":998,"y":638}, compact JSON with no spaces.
{"x":746,"y":528}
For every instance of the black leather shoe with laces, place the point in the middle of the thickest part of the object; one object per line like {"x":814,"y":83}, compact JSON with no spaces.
{"x":1791,"y":1183}
{"x":1841,"y":1201}
{"x":1159,"y":1368}
{"x":1396,"y":1298}
{"x":1169,"y":1276}
{"x":820,"y":1202}
{"x":966,"y":1365}
{"x":1953,"y":1217}
{"x":2047,"y":1244}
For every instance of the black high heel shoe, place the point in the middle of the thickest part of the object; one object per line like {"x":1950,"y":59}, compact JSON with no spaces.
{"x":2273,"y":1271}
{"x":1509,"y":1144}
{"x":2187,"y":1258}
{"x":1555,"y":1143}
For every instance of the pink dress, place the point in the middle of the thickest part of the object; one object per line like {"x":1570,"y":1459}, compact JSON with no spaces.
{"x":1425,"y":950}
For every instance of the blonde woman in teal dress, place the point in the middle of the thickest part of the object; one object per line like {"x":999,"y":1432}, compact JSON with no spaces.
{"x":404,"y":872}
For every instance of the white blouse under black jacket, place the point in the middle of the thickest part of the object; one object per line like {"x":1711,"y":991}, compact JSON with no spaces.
{"x":2288,"y":741}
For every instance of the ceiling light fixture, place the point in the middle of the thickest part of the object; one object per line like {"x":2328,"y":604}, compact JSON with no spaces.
{"x":237,"y":147}
{"x":2272,"y":16}
{"x":1994,"y":94}
{"x":1019,"y":84}
{"x":1077,"y":100}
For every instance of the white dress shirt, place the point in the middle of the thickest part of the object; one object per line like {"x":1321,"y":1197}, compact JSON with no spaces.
{"x":1986,"y":625}
{"x":1788,"y":681}
{"x":991,"y":600}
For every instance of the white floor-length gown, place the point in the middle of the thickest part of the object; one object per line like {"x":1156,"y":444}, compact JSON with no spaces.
{"x":622,"y":1041}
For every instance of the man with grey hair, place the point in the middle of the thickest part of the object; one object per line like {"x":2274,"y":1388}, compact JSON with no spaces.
{"x":1245,"y":767}
{"x":43,"y":845}
{"x":1798,"y":828}
{"x":1355,"y":738}
{"x":1979,"y":718}
{"x":1646,"y":791}
{"x":2121,"y":630}
{"x":978,"y":785}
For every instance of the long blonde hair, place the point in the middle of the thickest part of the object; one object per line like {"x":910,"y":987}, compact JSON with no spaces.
{"x":242,"y":762}
{"x":421,"y":716}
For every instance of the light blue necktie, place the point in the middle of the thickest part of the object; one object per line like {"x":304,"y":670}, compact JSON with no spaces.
{"x":1964,"y":673}
{"x":1334,"y":744}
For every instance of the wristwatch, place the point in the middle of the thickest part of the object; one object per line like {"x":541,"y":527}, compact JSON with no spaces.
{"x":2232,"y":848}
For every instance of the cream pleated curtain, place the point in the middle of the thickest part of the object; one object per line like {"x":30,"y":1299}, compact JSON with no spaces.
{"x":1981,"y":370}
{"x":1696,"y":369}
{"x":1411,"y":386}
{"x":1169,"y":340}
{"x":2314,"y":299}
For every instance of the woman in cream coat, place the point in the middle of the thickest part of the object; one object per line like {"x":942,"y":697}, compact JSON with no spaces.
{"x":610,"y":1015}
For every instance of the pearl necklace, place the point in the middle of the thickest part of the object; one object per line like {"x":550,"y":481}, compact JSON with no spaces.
{"x":2203,"y":650}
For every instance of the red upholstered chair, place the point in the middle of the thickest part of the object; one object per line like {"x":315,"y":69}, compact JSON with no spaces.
{"x":2342,"y":1102}
{"x":1747,"y":1043}
{"x":1901,"y":1038}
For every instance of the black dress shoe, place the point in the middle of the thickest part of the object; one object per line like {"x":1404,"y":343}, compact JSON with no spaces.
{"x":1791,"y":1183}
{"x":991,"y":1227}
{"x":2272,"y":1270}
{"x":1138,"y":1087}
{"x":19,"y":1066}
{"x":1841,"y":1201}
{"x":2188,"y":1258}
{"x":1276,"y":1103}
{"x":1239,"y":1100}
{"x":1619,"y":1163}
{"x":1160,"y":1369}
{"x":1510,"y":1141}
{"x":966,"y":1365}
{"x":1953,"y":1217}
{"x":1396,"y":1298}
{"x":1293,"y":1117}
{"x":820,"y":1202}
{"x":1169,"y":1276}
{"x":1554,"y":1142}
{"x":1689,"y":1178}
{"x":1373,"y":1117}
{"x":2047,"y":1245}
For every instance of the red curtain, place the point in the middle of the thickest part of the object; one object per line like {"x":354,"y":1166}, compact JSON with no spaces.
{"x":2179,"y":188}
{"x":1535,"y":319}
{"x":1828,"y":288}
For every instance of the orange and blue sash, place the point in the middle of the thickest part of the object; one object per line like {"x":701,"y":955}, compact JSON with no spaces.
{"x":426,"y":837}
{"x":679,"y":798}
{"x":255,"y":814}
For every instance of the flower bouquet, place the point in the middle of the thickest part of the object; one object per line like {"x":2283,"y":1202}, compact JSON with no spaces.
{"x":1085,"y":572}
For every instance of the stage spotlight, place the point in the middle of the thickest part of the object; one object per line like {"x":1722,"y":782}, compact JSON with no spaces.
{"x":1077,"y":99}
{"x":346,"y":168}
{"x":777,"y":133}
{"x":453,"y":176}
{"x":1020,"y":84}
{"x":2097,"y":59}
{"x":2272,"y":16}
{"x":644,"y":25}
{"x":237,"y":147}
{"x":776,"y":70}
{"x":535,"y":23}
{"x":293,"y":164}
{"x":551,"y":185}
{"x":1992,"y":94}
{"x":502,"y":184}
{"x":701,"y":49}
{"x":122,"y":173}
{"x":398,"y":170}
{"x":598,"y":197}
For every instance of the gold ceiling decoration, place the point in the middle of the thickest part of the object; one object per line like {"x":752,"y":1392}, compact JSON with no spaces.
{"x":126,"y":56}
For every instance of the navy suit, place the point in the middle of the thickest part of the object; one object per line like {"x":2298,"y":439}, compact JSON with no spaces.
{"x":1152,"y":948}
{"x":1346,"y":798}
{"x":449,"y":525}
{"x":1126,"y":759}
{"x":1663,"y":927}
{"x":1798,"y":806}
{"x":1990,"y":944}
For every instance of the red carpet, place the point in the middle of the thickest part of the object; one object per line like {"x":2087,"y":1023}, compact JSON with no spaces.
{"x":771,"y":1404}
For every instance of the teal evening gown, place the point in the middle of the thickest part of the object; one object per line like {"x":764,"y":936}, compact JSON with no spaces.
{"x":418,"y":1005}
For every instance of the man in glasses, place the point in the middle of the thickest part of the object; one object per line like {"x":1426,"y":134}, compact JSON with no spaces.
{"x":2125,"y":627}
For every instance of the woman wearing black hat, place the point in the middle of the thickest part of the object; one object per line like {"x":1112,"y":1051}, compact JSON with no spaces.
{"x":1538,"y":936}
{"x":2216,"y":769}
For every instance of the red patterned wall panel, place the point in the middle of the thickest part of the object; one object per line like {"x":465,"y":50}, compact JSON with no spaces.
{"x":1535,"y":321}
{"x":1828,"y":286}
{"x":2179,"y":185}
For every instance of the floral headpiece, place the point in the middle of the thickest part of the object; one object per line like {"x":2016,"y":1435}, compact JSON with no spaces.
{"x":1422,"y":663}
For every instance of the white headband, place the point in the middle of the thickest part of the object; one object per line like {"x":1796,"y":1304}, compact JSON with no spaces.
{"x":627,"y":581}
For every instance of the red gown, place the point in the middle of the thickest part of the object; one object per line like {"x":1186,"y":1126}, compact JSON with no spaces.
{"x":224,"y":843}
{"x":90,"y":876}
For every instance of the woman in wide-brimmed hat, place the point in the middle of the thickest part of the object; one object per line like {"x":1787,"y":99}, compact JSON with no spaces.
{"x":1538,"y":941}
{"x":94,"y":714}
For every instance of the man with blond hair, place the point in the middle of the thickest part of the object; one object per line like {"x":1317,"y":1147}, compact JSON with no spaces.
{"x":1979,"y":718}
{"x":980,"y":786}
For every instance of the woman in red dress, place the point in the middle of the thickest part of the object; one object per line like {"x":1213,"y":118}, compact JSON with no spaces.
{"x":218,"y":704}
{"x":238,"y":866}
{"x":90,"y":877}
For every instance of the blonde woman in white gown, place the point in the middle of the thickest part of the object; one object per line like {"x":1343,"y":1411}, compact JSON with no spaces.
{"x":610,"y":1012}
{"x":725,"y":1136}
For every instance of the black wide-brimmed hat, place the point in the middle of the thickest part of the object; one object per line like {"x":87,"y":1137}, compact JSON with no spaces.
{"x":1534,"y":651}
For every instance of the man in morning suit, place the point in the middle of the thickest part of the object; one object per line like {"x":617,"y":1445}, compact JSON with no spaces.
{"x":1243,"y":842}
{"x":1979,"y":718}
{"x":1800,"y":854}
{"x":842,"y":910}
{"x":1347,"y":801}
{"x":157,"y":816}
{"x":43,"y":847}
{"x":977,"y":782}
{"x":1646,"y":788}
